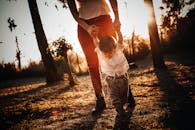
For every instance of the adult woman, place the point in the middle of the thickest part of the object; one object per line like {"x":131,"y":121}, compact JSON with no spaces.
{"x":94,"y":16}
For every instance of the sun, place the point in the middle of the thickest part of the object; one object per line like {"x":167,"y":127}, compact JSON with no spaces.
{"x":134,"y":16}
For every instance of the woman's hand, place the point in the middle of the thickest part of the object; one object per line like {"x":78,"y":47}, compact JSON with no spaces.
{"x":93,"y":31}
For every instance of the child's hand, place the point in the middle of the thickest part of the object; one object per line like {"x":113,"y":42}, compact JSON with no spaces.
{"x":93,"y":31}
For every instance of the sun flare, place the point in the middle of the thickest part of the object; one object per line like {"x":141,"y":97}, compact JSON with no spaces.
{"x":134,"y":16}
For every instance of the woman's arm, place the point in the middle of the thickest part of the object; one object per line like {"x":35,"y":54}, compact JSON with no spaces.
{"x":75,"y":14}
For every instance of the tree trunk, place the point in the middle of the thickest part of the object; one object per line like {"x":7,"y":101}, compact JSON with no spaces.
{"x":70,"y":77}
{"x":132,"y":42}
{"x":18,"y":53}
{"x":157,"y":56}
{"x":78,"y":63}
{"x":50,"y":68}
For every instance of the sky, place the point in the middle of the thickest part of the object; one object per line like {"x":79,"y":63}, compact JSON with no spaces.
{"x":58,"y":22}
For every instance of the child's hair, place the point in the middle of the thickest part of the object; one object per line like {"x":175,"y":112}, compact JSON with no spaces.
{"x":107,"y":43}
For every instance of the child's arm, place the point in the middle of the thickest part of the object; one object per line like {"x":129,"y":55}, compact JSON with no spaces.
{"x":95,"y":41}
{"x":120,"y":45}
{"x":94,"y":35}
{"x":119,"y":38}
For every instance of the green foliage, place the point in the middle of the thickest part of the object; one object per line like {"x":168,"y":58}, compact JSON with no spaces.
{"x":34,"y":68}
{"x":170,"y":18}
{"x":184,"y":36}
{"x":9,"y":71}
{"x":8,"y":67}
{"x":177,"y":28}
{"x":141,"y":48}
{"x":60,"y":47}
{"x":173,"y":13}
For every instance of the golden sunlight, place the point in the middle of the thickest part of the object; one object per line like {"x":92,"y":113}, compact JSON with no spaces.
{"x":134,"y":16}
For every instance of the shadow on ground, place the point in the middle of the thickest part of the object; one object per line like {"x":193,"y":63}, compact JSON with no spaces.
{"x":164,"y":100}
{"x":177,"y":95}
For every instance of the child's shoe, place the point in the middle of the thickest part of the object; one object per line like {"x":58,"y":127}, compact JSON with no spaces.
{"x":121,"y":122}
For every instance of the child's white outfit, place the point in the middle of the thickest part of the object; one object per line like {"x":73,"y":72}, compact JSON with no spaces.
{"x":117,"y":65}
{"x":115,"y":70}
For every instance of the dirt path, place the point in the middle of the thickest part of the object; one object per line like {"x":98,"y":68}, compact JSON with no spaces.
{"x":165,"y":99}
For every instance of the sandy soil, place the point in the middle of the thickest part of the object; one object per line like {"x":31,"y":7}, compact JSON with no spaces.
{"x":165,"y":99}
